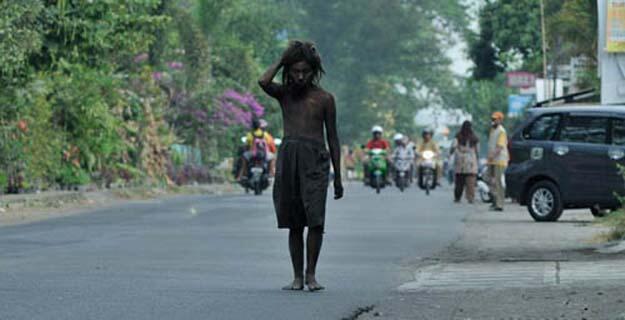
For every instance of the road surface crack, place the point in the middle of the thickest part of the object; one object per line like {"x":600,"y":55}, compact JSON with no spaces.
{"x":358,"y":312}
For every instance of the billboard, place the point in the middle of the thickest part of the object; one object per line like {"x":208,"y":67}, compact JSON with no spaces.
{"x":520,"y":79}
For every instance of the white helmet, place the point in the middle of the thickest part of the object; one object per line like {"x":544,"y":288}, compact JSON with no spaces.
{"x":377,"y":129}
{"x":398,"y":137}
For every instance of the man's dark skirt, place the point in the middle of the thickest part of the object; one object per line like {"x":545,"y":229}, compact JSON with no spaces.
{"x":301,"y":185}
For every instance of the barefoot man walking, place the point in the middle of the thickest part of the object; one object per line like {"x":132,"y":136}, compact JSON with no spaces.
{"x":302,"y":169}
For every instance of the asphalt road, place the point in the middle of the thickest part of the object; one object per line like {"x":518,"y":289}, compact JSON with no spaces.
{"x":218,"y":257}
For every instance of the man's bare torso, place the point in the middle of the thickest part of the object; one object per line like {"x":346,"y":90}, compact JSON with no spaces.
{"x":304,"y":114}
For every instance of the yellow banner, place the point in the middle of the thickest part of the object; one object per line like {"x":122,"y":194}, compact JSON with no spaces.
{"x":616,"y":26}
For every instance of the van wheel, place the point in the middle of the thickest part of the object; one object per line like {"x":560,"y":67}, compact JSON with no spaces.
{"x":544,"y":202}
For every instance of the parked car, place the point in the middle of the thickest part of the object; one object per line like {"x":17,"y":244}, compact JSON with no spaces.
{"x":568,"y":157}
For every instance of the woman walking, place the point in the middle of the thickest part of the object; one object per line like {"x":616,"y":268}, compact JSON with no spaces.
{"x":465,"y":151}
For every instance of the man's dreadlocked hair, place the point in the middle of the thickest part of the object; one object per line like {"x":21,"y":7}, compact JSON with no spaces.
{"x":301,"y":51}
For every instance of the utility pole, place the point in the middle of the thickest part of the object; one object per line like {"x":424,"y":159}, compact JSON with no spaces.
{"x":544,"y":45}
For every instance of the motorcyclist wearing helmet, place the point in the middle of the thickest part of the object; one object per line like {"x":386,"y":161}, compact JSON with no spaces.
{"x":376,"y":142}
{"x":402,"y":151}
{"x":258,"y":136}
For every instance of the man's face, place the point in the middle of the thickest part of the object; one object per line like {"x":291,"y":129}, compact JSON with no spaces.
{"x":301,"y":74}
{"x":495,"y":122}
{"x":427,"y":137}
{"x":377,"y":135}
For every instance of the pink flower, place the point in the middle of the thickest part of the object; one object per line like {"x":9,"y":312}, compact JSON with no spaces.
{"x":175,"y":65}
{"x":157,"y":76}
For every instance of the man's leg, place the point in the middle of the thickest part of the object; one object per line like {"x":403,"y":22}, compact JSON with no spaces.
{"x":313,"y":248}
{"x":492,"y":185}
{"x":244,"y":164}
{"x":499,"y":191}
{"x":296,"y":249}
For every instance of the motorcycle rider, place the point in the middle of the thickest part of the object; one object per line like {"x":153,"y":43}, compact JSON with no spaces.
{"x":402,"y":152}
{"x":376,"y":142}
{"x":258,"y":138}
{"x":428,"y":144}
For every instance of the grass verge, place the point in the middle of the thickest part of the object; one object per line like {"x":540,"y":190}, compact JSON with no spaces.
{"x":616,"y":222}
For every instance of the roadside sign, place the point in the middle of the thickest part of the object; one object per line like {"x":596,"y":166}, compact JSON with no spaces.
{"x":520,"y":79}
{"x":517,"y":103}
{"x":611,"y":63}
{"x":616,"y":26}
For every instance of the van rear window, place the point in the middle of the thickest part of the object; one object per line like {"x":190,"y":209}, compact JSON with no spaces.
{"x":544,"y":128}
{"x":585,"y":129}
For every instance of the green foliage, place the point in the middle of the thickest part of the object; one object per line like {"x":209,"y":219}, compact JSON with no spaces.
{"x":70,"y":177}
{"x":104,"y":86}
{"x":83,"y":111}
{"x":481,"y":47}
{"x":61,"y":79}
{"x":481,"y":98}
{"x":20,"y":35}
{"x":4,"y":180}
{"x":376,"y":42}
{"x":510,"y":37}
{"x":42,"y":144}
{"x":97,"y":33}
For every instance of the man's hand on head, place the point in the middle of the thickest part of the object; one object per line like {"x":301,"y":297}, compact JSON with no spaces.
{"x":338,"y":189}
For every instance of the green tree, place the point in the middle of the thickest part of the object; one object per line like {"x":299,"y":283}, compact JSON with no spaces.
{"x":373,"y":42}
{"x":481,"y":47}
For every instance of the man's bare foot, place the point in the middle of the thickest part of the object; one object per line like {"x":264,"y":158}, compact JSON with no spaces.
{"x":296,"y":285}
{"x":312,"y":284}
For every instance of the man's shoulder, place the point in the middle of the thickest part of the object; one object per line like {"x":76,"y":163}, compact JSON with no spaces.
{"x":326,"y":96}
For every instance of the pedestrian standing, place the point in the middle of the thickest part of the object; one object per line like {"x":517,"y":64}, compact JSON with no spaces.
{"x":497,"y":159}
{"x":465,"y":149}
{"x":303,"y":165}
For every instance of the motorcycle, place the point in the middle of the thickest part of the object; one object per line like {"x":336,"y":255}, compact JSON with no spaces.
{"x":427,"y":171}
{"x":482,"y":186}
{"x":257,"y":175}
{"x":403,"y":169}
{"x":377,"y":169}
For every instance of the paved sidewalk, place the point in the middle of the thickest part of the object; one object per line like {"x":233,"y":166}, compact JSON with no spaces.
{"x":506,"y":266}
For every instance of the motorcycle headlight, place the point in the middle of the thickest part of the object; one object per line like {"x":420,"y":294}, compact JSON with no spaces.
{"x":428,"y":155}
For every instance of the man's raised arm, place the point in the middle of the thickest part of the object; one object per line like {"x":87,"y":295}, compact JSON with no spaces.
{"x":266,"y":80}
{"x":333,"y":143}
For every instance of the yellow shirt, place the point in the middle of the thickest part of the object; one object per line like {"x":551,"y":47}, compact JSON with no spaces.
{"x":498,"y":138}
{"x":268,"y":138}
{"x":430,"y":145}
